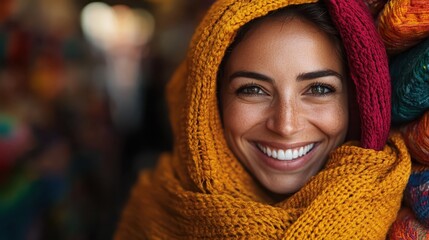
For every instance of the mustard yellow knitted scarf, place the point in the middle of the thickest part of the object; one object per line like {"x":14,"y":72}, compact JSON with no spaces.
{"x":201,"y":191}
{"x":356,"y":196}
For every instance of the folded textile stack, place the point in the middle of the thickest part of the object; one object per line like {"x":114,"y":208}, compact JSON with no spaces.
{"x":403,"y":23}
{"x":407,"y":227}
{"x":410,"y":84}
{"x":416,"y":136}
{"x":404,"y":28}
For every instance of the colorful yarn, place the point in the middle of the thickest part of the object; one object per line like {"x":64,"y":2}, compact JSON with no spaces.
{"x":407,"y":227}
{"x":403,"y":23}
{"x":416,"y":135}
{"x":416,"y":196}
{"x":410,"y":83}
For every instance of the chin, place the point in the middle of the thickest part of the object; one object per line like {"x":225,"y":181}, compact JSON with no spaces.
{"x":283,"y":190}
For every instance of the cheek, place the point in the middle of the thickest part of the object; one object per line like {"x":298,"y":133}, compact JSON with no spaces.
{"x":238,"y":117}
{"x":333,"y":119}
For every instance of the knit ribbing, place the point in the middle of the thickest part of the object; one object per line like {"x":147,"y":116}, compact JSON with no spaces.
{"x":368,"y":66}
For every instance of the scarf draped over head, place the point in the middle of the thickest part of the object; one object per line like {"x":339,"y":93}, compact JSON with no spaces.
{"x":200,"y":190}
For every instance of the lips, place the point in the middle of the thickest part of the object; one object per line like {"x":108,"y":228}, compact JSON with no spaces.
{"x":286,"y":154}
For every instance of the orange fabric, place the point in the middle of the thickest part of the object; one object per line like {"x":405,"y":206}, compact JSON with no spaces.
{"x":416,"y":135}
{"x":408,"y":227}
{"x":403,"y":23}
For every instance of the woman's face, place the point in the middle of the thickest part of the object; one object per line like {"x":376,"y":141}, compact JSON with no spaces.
{"x":284,"y":102}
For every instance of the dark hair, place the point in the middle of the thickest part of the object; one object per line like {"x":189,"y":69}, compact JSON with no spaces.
{"x":315,"y":13}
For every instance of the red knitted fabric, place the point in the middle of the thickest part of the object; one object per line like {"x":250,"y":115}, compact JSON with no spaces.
{"x":368,"y":65}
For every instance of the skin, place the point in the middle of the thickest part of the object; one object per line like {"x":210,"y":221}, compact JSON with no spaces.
{"x":284,"y":87}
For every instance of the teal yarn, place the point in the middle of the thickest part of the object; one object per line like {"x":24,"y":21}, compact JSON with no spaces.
{"x":410,"y":83}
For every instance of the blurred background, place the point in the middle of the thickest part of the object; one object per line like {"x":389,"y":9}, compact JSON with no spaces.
{"x":82,"y":108}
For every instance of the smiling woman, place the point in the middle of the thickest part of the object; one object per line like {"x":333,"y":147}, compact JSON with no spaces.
{"x":284,"y":100}
{"x":265,"y":112}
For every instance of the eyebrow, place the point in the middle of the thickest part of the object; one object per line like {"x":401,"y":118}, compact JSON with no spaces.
{"x":253,"y":75}
{"x":319,"y":74}
{"x":300,"y":77}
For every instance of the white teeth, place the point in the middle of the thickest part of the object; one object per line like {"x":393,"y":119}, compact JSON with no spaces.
{"x":281,"y":154}
{"x":295,"y":154}
{"x":286,"y":154}
{"x":269,"y":153}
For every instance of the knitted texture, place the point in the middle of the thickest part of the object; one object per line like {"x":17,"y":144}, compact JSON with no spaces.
{"x":410,"y":83}
{"x":201,"y":191}
{"x":416,"y":135}
{"x":359,"y":189}
{"x":417,"y":196}
{"x":368,"y":69}
{"x":403,"y":23}
{"x":407,"y":227}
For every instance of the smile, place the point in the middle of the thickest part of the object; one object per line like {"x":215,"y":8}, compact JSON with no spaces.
{"x":286,"y":154}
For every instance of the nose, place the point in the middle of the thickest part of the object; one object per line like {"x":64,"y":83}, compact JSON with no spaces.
{"x":284,"y":118}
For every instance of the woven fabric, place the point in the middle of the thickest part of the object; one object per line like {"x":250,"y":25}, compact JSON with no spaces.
{"x":410,"y":83}
{"x":403,"y":23}
{"x":416,"y":135}
{"x":201,"y":191}
{"x":407,"y":227}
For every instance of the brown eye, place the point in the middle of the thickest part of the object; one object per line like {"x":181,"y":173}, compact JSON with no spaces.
{"x":250,"y":90}
{"x":321,"y":89}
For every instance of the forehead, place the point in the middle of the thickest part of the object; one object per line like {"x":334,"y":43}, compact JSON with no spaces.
{"x":283,"y":30}
{"x":293,"y":43}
